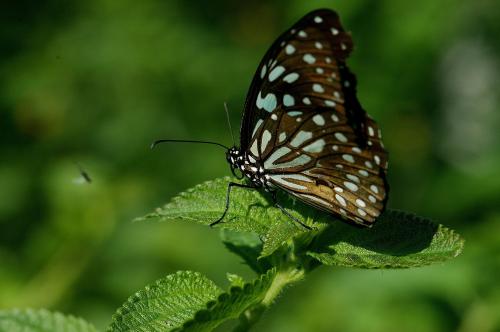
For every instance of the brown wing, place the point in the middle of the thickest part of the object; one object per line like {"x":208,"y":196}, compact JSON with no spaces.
{"x":311,"y":51}
{"x":311,"y":134}
{"x":320,"y":163}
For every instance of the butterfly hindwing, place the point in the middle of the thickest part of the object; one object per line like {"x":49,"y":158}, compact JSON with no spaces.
{"x":321,"y":164}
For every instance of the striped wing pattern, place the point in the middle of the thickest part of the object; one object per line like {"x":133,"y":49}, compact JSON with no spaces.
{"x":305,"y":125}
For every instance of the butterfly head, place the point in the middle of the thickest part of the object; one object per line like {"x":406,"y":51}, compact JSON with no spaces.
{"x":235,"y":159}
{"x":244,"y":165}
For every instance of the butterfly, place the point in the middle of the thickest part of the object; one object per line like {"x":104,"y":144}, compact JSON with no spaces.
{"x":304,"y":131}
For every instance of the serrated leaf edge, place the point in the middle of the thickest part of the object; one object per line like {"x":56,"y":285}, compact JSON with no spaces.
{"x":203,"y":314}
{"x":45,"y":312}
{"x":138,"y":296}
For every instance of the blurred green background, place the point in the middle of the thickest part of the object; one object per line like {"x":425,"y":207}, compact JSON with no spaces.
{"x":95,"y":82}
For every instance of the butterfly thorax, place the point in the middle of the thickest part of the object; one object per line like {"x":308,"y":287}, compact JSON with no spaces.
{"x":248,"y":166}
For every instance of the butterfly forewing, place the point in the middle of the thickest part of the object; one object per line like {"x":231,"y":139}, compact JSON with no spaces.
{"x":305,"y":55}
{"x":306,"y":127}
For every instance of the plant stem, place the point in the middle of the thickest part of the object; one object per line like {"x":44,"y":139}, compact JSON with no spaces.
{"x":284,"y":277}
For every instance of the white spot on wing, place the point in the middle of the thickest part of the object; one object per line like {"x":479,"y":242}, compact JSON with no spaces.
{"x":282,"y":137}
{"x":356,"y":149}
{"x":374,"y":188}
{"x":334,"y":31}
{"x":363,"y":172}
{"x":319,"y":119}
{"x":277,"y":154}
{"x":266,"y":137}
{"x":301,"y":160}
{"x":263,"y":71}
{"x":318,"y":88}
{"x":257,"y":126}
{"x":318,"y":45}
{"x":302,"y":34}
{"x":288,"y":100}
{"x":348,"y":157}
{"x":276,"y":72}
{"x":340,"y":199}
{"x":253,"y":149}
{"x":318,"y":19}
{"x":341,"y":137}
{"x":353,"y":178}
{"x":351,"y":186}
{"x":330,"y":103}
{"x":300,"y":138}
{"x":360,"y":202}
{"x":306,"y":100}
{"x":284,"y":179}
{"x":290,"y":78}
{"x":315,"y":147}
{"x":289,"y":49}
{"x":268,"y":103}
{"x":309,"y":58}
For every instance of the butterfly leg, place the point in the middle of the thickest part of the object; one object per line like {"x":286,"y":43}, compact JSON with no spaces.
{"x":228,"y":193}
{"x":286,"y":213}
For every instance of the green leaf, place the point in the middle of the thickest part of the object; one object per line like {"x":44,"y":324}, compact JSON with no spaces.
{"x":279,"y":233}
{"x":250,"y":211}
{"x":248,"y":246}
{"x":235,"y":279}
{"x":166,"y":304}
{"x":30,"y":320}
{"x":231,"y":304}
{"x":397,"y":240}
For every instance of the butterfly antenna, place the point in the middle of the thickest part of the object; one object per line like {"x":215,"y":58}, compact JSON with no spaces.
{"x":229,"y":123}
{"x":155,"y":143}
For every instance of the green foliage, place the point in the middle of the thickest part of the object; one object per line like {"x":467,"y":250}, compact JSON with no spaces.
{"x":397,"y":239}
{"x":280,"y":252}
{"x":276,"y":249}
{"x":250,"y":212}
{"x":94,"y":82}
{"x":30,"y":320}
{"x":166,"y":304}
{"x":187,"y":301}
{"x":231,"y":304}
